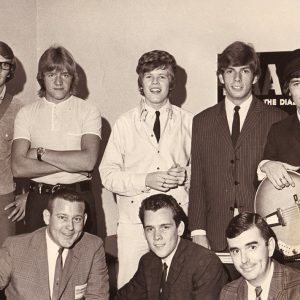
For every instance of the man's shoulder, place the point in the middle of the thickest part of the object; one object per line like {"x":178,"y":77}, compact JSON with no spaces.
{"x":89,"y":241}
{"x":290,"y":275}
{"x":182,"y":112}
{"x":270,"y":109}
{"x":209,"y":112}
{"x":233,"y":286}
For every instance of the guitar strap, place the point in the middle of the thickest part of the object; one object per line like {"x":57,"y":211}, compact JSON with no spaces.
{"x":5,"y":104}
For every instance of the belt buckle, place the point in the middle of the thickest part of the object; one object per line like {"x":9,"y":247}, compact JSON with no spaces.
{"x":56,"y":188}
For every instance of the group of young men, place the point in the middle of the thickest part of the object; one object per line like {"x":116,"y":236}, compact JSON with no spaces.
{"x":163,"y":164}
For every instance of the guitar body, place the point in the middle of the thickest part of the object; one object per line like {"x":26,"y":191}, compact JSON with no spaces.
{"x":285,"y":204}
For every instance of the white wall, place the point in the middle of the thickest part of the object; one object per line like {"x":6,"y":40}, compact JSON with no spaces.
{"x":107,"y":37}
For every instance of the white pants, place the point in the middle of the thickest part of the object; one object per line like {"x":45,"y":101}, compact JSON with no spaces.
{"x":132,"y":245}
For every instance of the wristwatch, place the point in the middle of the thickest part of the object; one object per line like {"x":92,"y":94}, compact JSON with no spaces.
{"x":40,"y":151}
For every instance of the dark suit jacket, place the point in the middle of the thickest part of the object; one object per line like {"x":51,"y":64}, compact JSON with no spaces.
{"x":195,"y":273}
{"x":285,"y":285}
{"x":24,"y":268}
{"x":222,"y":175}
{"x":283,"y":143}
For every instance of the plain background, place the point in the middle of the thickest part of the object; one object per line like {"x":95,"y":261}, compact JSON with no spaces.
{"x":107,"y":37}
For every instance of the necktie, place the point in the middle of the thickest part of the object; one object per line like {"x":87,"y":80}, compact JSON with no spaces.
{"x":156,"y":127}
{"x":57,"y":274}
{"x":163,"y":279}
{"x":258,"y":291}
{"x":235,"y":125}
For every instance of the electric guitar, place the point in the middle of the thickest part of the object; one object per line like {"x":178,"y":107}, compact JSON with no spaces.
{"x":281,"y":210}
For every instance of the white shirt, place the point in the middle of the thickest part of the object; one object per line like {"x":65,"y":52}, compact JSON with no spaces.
{"x":265,"y":286}
{"x":57,"y":127}
{"x":52,"y":253}
{"x":132,"y":152}
{"x":243,"y":111}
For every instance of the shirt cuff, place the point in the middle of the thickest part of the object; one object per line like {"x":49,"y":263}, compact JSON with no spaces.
{"x":260,"y":174}
{"x":198,"y":232}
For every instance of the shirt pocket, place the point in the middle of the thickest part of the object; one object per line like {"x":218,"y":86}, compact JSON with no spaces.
{"x":6,"y":137}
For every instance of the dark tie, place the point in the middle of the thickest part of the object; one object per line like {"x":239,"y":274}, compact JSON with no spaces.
{"x":235,"y":125}
{"x":163,"y":279}
{"x":57,"y":274}
{"x":156,"y":127}
{"x":258,"y":291}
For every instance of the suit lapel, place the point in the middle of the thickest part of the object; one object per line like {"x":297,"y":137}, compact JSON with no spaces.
{"x":222,"y":125}
{"x":276,"y":282}
{"x":251,"y":120}
{"x":69,"y":267}
{"x":176,"y":267}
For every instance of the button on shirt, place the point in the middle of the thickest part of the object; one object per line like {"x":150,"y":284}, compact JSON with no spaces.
{"x":132,"y":152}
{"x":58,"y":127}
{"x":52,"y":253}
{"x":265,"y":286}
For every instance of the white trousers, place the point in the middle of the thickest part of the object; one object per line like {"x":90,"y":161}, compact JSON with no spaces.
{"x":132,"y":245}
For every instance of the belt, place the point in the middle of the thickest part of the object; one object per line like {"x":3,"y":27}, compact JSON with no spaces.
{"x":45,"y":188}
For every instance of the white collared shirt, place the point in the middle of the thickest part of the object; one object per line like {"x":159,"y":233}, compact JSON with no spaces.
{"x":132,"y":152}
{"x":243,"y":111}
{"x":265,"y":286}
{"x":52,"y":253}
{"x":58,"y":127}
{"x":169,"y":258}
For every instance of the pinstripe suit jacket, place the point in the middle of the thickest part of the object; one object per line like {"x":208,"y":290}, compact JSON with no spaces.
{"x":285,"y":285}
{"x":221,"y":174}
{"x":196,"y":273}
{"x":24,"y":268}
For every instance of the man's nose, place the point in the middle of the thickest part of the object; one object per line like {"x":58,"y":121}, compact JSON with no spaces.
{"x":157,"y":235}
{"x":58,"y":80}
{"x":154,"y":80}
{"x":237,"y":76}
{"x":244,"y":257}
{"x":70,"y":224}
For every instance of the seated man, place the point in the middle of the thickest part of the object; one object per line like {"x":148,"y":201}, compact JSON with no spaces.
{"x":59,"y":261}
{"x":251,"y":243}
{"x":175,"y":268}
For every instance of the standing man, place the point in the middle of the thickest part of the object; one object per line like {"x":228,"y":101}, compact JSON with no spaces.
{"x":56,"y":138}
{"x":227,"y":145}
{"x":9,"y":107}
{"x":59,"y":261}
{"x":175,"y":268}
{"x":282,"y":151}
{"x":147,"y":153}
{"x":251,"y":243}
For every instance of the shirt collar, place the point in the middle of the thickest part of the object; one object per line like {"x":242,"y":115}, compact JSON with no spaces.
{"x":245,"y":105}
{"x":298,"y":114}
{"x":2,"y":94}
{"x":144,"y":109}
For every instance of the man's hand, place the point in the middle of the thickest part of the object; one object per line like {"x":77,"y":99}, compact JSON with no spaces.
{"x":179,"y":172}
{"x":276,"y":172}
{"x":201,"y":240}
{"x":19,"y":205}
{"x":161,"y":181}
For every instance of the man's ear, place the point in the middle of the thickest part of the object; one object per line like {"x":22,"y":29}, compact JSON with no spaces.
{"x":180,"y":228}
{"x":46,"y":216}
{"x":220,"y":76}
{"x":255,"y":79}
{"x":271,"y":246}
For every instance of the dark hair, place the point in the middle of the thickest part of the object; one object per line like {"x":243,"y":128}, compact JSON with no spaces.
{"x":239,"y":54}
{"x":7,"y":53}
{"x":56,"y":58}
{"x":156,"y":59}
{"x":247,"y":220}
{"x":158,"y":201}
{"x":65,"y":194}
{"x":291,"y":70}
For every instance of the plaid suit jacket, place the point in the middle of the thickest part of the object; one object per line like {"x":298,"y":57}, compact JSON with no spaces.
{"x":285,"y":285}
{"x":196,"y":273}
{"x":222,"y":174}
{"x":24,"y":268}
